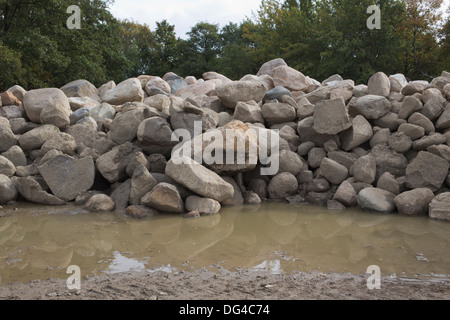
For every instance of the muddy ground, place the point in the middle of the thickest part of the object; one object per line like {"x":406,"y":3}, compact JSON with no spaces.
{"x":205,"y":284}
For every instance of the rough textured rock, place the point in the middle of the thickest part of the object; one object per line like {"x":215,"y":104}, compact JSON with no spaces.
{"x":290,"y":78}
{"x":164,"y":197}
{"x":8,"y":191}
{"x":434,"y":107}
{"x":331,"y":117}
{"x":346,"y":194}
{"x":268,"y":67}
{"x":433,"y":138}
{"x":199,"y":179}
{"x":377,"y":200}
{"x":379,"y":84}
{"x":205,"y":206}
{"x":275,"y":113}
{"x":389,"y":183}
{"x":364,"y":169}
{"x":390,"y":161}
{"x":142,"y":182}
{"x":282,"y":185}
{"x":81,"y":88}
{"x":359,"y":133}
{"x":426,"y":171}
{"x":50,"y":99}
{"x":34,"y":139}
{"x":124,"y":126}
{"x":99,"y":202}
{"x":290,"y":162}
{"x":422,"y":121}
{"x":233,"y":92}
{"x":251,"y":197}
{"x":440,"y":207}
{"x":400,"y":142}
{"x":16,"y":155}
{"x":411,"y":130}
{"x":7,"y":138}
{"x":248,"y":112}
{"x":444,"y":120}
{"x":127,"y":91}
{"x":140,"y":212}
{"x":61,"y":142}
{"x":371,"y":106}
{"x":155,"y":136}
{"x":7,"y":168}
{"x":414,"y":202}
{"x":409,"y":105}
{"x":68,"y":177}
{"x":236,"y":199}
{"x":307,"y":132}
{"x":333,"y":171}
{"x":113,"y":164}
{"x":32,"y":191}
{"x":121,"y":194}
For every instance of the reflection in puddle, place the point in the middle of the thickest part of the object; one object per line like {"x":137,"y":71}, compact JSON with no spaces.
{"x":121,"y":263}
{"x":41,"y":242}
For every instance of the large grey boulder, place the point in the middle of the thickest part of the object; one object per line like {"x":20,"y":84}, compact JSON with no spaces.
{"x":7,"y":138}
{"x":99,"y":203}
{"x":291,"y":162}
{"x":379,"y":84}
{"x":275,"y":113}
{"x":129,"y":90}
{"x":32,"y":191}
{"x":124,"y":126}
{"x":142,"y":182}
{"x":371,"y":106}
{"x":414,"y":202}
{"x":199,"y":179}
{"x":61,"y":142}
{"x":81,"y":88}
{"x":333,"y":171}
{"x":233,"y":92}
{"x":426,"y":171}
{"x":113,"y":164}
{"x":248,"y":112}
{"x":164,"y":197}
{"x":16,"y":155}
{"x":409,"y":105}
{"x":50,"y":99}
{"x":377,"y":200}
{"x":444,"y":120}
{"x":68,"y":177}
{"x":7,"y":167}
{"x":205,"y":206}
{"x":8,"y":191}
{"x":282,"y":185}
{"x":307,"y":133}
{"x":331,"y":117}
{"x":34,"y":139}
{"x":360,"y":132}
{"x":346,"y":194}
{"x":290,"y":78}
{"x":388,"y":160}
{"x":155,"y":136}
{"x":268,"y":67}
{"x":440,"y":207}
{"x":365,"y":169}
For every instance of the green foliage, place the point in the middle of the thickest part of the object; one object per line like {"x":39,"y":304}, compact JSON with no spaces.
{"x":319,"y":38}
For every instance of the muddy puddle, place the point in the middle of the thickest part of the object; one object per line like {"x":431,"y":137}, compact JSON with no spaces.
{"x":41,"y":242}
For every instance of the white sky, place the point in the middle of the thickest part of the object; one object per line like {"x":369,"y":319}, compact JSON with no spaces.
{"x":184,"y":14}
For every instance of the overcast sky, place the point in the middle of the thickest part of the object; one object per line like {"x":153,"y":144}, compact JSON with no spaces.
{"x":184,"y":14}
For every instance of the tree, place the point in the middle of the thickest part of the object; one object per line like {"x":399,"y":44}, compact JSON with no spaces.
{"x":420,"y":30}
{"x":200,"y":52}
{"x":164,"y":55}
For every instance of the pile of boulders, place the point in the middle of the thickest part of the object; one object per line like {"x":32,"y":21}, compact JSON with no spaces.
{"x":383,"y":146}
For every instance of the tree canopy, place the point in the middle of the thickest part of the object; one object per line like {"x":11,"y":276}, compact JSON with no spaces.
{"x":319,"y":38}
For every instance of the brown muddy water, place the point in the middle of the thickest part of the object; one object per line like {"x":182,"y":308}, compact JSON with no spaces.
{"x":41,"y":242}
